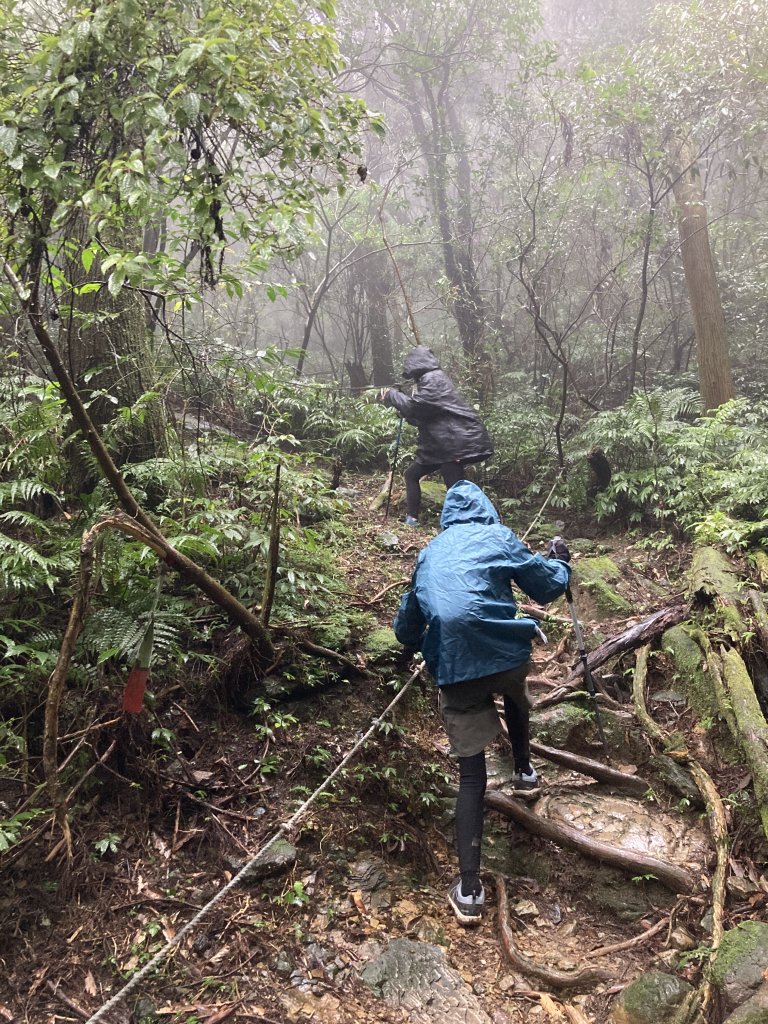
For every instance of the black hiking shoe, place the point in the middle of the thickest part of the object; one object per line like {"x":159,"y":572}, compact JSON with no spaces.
{"x":468,"y":909}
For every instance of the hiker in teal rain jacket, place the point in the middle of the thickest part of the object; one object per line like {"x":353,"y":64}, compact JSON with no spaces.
{"x":461,"y":614}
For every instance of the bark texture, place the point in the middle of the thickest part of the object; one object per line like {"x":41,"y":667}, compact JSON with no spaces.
{"x":715,"y":380}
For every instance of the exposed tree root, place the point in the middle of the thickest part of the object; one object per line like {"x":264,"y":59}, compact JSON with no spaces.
{"x":583,"y":979}
{"x":595,"y":769}
{"x":715,"y":812}
{"x":673,"y":877}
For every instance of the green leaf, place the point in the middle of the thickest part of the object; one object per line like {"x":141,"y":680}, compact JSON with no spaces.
{"x":116,"y":280}
{"x":8,"y":136}
{"x":87,"y":257}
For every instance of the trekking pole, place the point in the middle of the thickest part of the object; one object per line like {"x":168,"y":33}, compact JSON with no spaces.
{"x":587,"y":671}
{"x":394,"y":464}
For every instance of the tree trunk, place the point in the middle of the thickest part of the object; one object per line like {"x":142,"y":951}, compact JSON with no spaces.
{"x":105,"y":343}
{"x":715,"y":380}
{"x":467,"y":304}
{"x":376,"y":281}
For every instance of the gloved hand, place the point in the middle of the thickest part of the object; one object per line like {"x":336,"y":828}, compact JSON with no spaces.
{"x":558,"y":549}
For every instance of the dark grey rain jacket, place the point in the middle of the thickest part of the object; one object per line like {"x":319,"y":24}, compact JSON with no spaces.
{"x":449,"y":428}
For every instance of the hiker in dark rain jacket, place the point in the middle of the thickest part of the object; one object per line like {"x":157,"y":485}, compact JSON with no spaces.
{"x":461,"y":614}
{"x":451,"y":434}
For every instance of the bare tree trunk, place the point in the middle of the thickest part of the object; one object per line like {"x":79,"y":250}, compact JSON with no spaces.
{"x":715,"y":380}
{"x":437,"y":141}
{"x":376,"y":281}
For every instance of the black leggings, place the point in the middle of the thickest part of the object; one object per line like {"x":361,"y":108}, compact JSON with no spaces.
{"x":472,"y":782}
{"x":452,"y":473}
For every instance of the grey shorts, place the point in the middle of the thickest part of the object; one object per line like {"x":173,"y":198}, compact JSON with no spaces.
{"x":469,"y":713}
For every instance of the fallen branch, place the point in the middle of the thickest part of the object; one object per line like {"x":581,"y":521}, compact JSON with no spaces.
{"x":595,"y":769}
{"x":541,"y":613}
{"x":320,"y":651}
{"x":377,"y":597}
{"x":638,"y":940}
{"x":582,"y":979}
{"x":66,"y":1001}
{"x":673,"y":877}
{"x":637,"y":635}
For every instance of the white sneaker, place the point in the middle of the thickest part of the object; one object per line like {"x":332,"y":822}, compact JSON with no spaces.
{"x":468,"y":909}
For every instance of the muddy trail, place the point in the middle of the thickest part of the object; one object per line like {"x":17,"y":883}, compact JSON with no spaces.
{"x":604,"y":878}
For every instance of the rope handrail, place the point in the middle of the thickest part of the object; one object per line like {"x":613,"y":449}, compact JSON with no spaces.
{"x":284,"y":830}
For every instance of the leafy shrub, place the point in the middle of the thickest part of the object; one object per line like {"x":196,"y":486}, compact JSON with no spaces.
{"x":707,"y":474}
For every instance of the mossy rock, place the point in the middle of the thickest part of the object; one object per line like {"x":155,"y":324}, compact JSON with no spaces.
{"x":567,"y":726}
{"x":754,"y":1011}
{"x":678,"y":779}
{"x":381,"y":644}
{"x":652,"y":998}
{"x":518,"y":858}
{"x":594,"y":576}
{"x":741,"y":962}
{"x":432,"y":495}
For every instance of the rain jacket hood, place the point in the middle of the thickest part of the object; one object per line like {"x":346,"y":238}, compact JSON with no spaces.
{"x":460,"y":611}
{"x":418,"y":361}
{"x":465,"y":502}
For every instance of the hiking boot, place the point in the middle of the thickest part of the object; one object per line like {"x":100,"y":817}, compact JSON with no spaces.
{"x":468,"y":909}
{"x":525,"y":780}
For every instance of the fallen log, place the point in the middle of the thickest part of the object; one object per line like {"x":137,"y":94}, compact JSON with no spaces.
{"x":582,"y":979}
{"x":673,"y":877}
{"x":751,"y":726}
{"x":595,"y":769}
{"x":637,"y":635}
{"x":761,"y":618}
{"x":715,"y":584}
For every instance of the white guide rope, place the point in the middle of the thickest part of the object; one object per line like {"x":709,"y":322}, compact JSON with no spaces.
{"x":284,"y":829}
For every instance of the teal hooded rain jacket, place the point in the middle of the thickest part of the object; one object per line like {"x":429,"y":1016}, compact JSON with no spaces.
{"x":460,"y":612}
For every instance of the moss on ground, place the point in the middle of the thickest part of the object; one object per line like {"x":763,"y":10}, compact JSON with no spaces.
{"x":594,"y":575}
{"x":691,"y":675}
{"x":380,"y":644}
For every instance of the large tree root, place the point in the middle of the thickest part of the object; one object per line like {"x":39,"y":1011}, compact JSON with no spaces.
{"x":582,"y":979}
{"x":715,"y":811}
{"x":595,"y":769}
{"x":751,"y":726}
{"x":673,"y":877}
